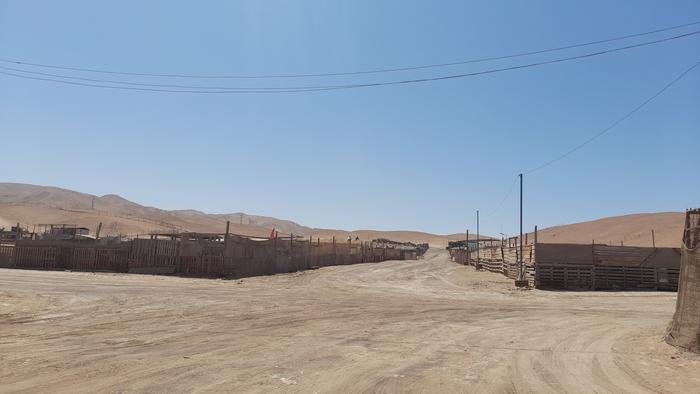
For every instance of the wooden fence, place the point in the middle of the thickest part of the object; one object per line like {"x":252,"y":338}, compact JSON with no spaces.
{"x":6,"y":253}
{"x":498,"y":259}
{"x":592,"y":277}
{"x":100,"y":259}
{"x":153,"y":256}
{"x":42,"y":257}
{"x":606,"y":267}
{"x":237,"y":257}
{"x":579,"y":267}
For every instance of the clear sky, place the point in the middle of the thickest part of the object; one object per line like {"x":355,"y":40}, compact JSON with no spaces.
{"x":420,"y":157}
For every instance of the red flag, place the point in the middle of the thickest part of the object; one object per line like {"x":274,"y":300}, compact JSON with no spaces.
{"x":273,"y":234}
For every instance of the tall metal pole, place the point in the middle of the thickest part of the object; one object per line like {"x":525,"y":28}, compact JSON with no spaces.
{"x":521,"y":272}
{"x":521,"y":229}
{"x":478,"y":261}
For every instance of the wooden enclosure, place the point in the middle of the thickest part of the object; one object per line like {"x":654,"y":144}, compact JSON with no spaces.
{"x":230,"y":256}
{"x":581,"y":267}
{"x":605,"y":267}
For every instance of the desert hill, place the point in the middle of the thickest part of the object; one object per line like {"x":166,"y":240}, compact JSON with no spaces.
{"x":631,"y":230}
{"x":31,"y":205}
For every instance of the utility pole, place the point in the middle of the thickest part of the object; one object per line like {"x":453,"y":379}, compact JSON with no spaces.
{"x":478,"y":261}
{"x":521,"y":281}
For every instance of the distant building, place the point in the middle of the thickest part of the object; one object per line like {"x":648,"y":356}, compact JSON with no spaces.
{"x":63,"y":231}
{"x":15,"y":233}
{"x":472,"y":244}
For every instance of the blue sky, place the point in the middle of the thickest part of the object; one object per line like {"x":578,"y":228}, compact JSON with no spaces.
{"x":421,"y":157}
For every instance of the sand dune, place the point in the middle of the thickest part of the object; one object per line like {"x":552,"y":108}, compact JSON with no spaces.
{"x":632,"y":230}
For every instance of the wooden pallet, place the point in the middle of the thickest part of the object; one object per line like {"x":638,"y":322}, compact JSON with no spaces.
{"x":620,"y":277}
{"x":577,"y":277}
{"x":561,"y":276}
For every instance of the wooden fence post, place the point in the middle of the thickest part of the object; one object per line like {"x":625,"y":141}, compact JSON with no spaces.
{"x":308,"y":253}
{"x":335,"y":253}
{"x":535,"y":234}
{"x":228,"y":224}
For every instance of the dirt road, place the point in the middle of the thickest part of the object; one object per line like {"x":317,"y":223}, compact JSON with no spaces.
{"x":426,"y":326}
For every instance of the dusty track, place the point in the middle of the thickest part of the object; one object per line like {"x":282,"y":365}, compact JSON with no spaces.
{"x":427,"y":325}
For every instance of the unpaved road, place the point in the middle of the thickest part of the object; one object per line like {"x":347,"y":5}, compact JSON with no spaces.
{"x":424,"y":326}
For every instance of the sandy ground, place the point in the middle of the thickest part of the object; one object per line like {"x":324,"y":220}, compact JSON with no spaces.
{"x":422,"y":326}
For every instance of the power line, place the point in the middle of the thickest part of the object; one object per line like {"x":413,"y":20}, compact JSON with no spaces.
{"x":347,"y":73}
{"x":190,"y":87}
{"x":615,"y":123}
{"x":596,"y":136}
{"x":298,"y":89}
{"x":503,"y":200}
{"x":237,"y":90}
